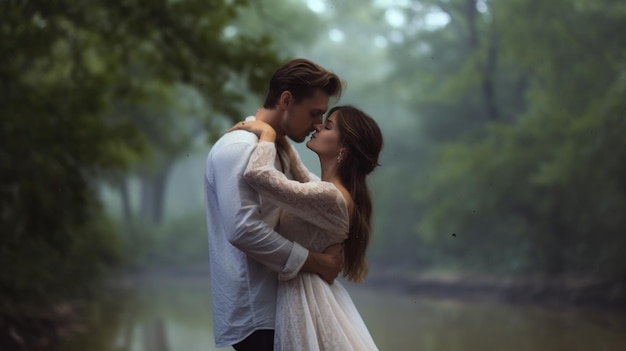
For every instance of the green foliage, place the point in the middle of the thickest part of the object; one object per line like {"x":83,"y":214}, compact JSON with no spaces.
{"x":40,"y":271}
{"x":72,"y":78}
{"x":544,"y":193}
{"x":273,"y":17}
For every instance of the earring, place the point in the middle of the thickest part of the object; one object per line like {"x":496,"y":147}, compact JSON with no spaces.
{"x":340,"y":157}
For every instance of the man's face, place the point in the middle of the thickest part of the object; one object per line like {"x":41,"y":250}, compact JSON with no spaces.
{"x":303,"y":117}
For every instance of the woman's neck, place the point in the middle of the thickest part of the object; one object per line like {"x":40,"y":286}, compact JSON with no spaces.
{"x":329,"y":171}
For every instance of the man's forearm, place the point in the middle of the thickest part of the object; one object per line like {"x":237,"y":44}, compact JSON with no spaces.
{"x":326,"y":265}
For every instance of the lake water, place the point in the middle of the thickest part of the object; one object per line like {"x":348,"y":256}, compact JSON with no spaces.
{"x":175,"y":315}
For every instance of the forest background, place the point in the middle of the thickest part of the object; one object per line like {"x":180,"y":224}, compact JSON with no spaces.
{"x":504,"y":126}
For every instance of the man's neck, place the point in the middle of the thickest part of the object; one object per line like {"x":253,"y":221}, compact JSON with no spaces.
{"x":273,"y":118}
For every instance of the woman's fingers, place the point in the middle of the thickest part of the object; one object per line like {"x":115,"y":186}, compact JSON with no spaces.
{"x":240,"y":125}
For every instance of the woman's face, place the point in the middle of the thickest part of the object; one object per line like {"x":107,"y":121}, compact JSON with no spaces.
{"x":325,"y":140}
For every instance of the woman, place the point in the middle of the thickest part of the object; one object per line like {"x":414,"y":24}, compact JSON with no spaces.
{"x":312,"y":315}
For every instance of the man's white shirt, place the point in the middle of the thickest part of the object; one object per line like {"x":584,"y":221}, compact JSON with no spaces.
{"x":246,"y":255}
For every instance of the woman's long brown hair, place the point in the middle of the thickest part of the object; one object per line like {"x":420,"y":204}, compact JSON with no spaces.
{"x":363,"y":140}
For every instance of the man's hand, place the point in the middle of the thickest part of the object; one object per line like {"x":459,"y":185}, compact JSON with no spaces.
{"x":327,"y":265}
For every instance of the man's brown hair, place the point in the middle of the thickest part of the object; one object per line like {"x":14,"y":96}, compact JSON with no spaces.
{"x":301,"y":78}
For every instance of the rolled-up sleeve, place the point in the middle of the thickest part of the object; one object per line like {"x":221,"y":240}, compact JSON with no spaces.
{"x":240,"y":211}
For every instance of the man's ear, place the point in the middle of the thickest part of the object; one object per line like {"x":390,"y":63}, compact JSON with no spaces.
{"x":285,"y":99}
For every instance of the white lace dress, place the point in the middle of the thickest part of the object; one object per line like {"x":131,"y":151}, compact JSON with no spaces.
{"x":311,"y":314}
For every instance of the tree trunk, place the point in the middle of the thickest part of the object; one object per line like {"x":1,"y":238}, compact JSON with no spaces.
{"x":127,"y":212}
{"x":488,"y":67}
{"x":160,"y":187}
{"x":147,"y":196}
{"x":154,"y":336}
{"x":489,"y":94}
{"x":470,"y":15}
{"x":153,"y":190}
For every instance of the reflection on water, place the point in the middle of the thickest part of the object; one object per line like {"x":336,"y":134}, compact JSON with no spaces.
{"x":175,"y":315}
{"x":405,"y":323}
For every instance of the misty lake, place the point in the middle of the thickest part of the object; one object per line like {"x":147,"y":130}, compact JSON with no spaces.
{"x":175,"y":315}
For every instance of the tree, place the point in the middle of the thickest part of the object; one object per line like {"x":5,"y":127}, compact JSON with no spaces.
{"x":543,"y":185}
{"x":68,"y":63}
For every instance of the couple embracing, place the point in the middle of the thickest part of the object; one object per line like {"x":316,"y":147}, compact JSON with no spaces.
{"x":279,"y":235}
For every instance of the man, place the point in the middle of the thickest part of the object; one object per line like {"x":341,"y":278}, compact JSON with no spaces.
{"x":246,"y":255}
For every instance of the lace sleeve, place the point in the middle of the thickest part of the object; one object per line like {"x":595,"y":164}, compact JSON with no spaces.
{"x":297,"y":169}
{"x":320,"y":203}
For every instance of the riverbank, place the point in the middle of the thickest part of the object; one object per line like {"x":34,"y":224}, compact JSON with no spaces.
{"x":43,"y":331}
{"x":583,"y":292}
{"x":570,"y":291}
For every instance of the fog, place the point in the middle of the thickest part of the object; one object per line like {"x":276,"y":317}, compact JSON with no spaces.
{"x":502,"y":176}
